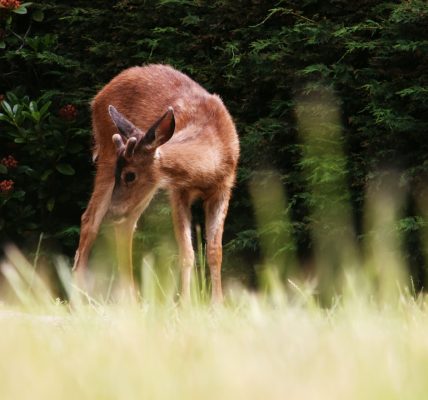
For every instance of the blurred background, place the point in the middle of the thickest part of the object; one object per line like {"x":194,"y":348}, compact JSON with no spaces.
{"x":330,"y":101}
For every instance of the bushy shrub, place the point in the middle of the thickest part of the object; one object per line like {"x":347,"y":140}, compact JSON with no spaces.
{"x":41,"y":146}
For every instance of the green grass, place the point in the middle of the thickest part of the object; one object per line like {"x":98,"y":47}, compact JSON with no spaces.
{"x":280,"y":345}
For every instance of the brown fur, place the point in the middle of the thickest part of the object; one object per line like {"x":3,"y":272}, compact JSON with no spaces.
{"x":199,"y":160}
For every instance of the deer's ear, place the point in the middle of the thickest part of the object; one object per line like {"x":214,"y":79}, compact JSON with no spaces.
{"x":125,"y":127}
{"x":161,"y":131}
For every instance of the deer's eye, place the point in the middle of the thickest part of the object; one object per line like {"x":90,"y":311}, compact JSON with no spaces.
{"x":129,"y":177}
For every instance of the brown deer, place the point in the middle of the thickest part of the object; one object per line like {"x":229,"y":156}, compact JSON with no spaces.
{"x":181,"y":139}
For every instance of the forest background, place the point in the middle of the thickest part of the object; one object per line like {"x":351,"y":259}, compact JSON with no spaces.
{"x":364,"y":62}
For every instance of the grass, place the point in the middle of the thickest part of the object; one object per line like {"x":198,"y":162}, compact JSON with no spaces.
{"x":283,"y":342}
{"x":279,"y":345}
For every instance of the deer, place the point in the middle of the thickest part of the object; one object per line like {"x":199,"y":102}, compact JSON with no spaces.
{"x":154,"y":128}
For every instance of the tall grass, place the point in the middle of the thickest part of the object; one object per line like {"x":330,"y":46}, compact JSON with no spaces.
{"x":355,"y":330}
{"x":276,"y":346}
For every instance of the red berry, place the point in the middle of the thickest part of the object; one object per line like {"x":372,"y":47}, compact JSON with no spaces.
{"x":9,"y":162}
{"x":68,"y":112}
{"x":10,"y":4}
{"x":6,"y":185}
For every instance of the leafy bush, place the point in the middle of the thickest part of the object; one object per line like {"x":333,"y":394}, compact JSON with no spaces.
{"x":41,"y":149}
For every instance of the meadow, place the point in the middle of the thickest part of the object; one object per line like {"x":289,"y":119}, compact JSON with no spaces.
{"x":330,"y":104}
{"x":280,"y":344}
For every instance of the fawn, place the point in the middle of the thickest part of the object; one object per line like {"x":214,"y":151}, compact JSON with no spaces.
{"x":181,"y":139}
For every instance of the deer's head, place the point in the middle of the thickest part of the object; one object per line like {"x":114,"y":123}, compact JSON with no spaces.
{"x":136,"y":178}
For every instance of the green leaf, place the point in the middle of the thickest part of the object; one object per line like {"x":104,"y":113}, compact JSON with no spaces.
{"x":25,"y":169}
{"x":46,"y":174}
{"x":50,"y":204}
{"x":38,"y":15}
{"x":36,"y":116}
{"x":19,"y":140}
{"x":33,"y":106}
{"x":20,"y":10}
{"x":12,"y":97}
{"x":3,"y":169}
{"x":191,"y":20}
{"x":65,"y":169}
{"x":7,"y":107}
{"x":2,"y":44}
{"x":45,"y":107}
{"x":19,"y":194}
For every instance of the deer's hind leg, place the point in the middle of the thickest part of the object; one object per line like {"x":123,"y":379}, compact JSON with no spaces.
{"x":215,"y":214}
{"x":180,"y":204}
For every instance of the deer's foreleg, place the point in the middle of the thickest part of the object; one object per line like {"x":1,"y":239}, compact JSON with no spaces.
{"x":92,"y":218}
{"x":124,"y":237}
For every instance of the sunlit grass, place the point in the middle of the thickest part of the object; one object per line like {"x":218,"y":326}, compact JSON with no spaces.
{"x":279,"y":345}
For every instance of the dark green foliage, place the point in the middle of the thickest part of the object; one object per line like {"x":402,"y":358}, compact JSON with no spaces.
{"x":261,"y":57}
{"x":48,"y":151}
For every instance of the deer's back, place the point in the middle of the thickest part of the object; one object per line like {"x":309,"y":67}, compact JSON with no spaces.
{"x":205,"y":137}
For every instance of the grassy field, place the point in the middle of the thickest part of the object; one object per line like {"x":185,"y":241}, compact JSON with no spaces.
{"x":359,"y":332}
{"x":281,"y":345}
